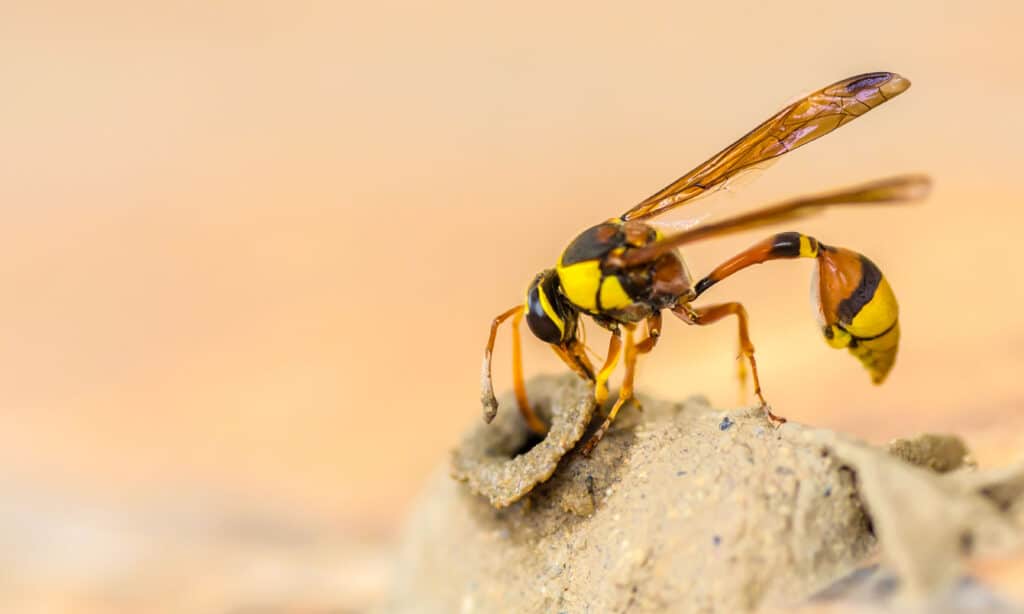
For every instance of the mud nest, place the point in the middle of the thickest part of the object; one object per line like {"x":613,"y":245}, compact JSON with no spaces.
{"x":691,"y":509}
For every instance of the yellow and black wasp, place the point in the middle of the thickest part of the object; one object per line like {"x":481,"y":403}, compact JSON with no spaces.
{"x":624,"y":271}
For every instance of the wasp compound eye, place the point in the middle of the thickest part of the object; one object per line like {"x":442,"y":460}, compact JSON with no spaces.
{"x":544,"y":313}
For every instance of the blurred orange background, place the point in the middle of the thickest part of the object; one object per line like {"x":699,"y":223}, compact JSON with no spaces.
{"x":251,"y":250}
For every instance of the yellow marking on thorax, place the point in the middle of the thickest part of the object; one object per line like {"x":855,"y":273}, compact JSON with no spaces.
{"x":580,"y":283}
{"x":613,"y":295}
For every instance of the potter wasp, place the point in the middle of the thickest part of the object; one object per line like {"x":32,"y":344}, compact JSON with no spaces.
{"x":624,"y":272}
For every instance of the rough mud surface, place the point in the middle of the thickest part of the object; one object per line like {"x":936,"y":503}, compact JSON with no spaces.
{"x":489,"y":457}
{"x":685,"y":508}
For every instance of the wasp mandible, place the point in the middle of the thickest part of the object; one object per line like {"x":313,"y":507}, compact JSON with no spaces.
{"x":624,"y":272}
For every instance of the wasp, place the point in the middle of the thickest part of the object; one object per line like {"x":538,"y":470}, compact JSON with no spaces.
{"x":625,"y":272}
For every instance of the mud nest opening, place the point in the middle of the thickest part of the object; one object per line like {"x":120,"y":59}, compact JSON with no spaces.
{"x":531,"y":441}
{"x":504,"y":460}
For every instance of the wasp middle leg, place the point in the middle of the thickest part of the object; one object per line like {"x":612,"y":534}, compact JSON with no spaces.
{"x":611,"y":359}
{"x":632,"y":350}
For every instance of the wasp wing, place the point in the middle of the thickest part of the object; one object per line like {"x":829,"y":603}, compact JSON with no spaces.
{"x":898,"y":189}
{"x":807,"y":119}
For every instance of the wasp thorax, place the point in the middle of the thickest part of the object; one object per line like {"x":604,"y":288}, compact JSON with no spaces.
{"x":547,"y":315}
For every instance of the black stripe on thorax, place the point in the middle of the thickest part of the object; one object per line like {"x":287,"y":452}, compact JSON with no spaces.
{"x":593,"y":244}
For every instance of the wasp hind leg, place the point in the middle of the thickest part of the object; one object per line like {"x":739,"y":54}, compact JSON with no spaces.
{"x":704,"y":316}
{"x":487,"y":397}
{"x":856,"y":306}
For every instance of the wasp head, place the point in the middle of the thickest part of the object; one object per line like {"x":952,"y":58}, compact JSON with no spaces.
{"x":548,"y":313}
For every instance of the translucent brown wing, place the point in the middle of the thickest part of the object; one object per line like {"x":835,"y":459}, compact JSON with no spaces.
{"x":900,"y":189}
{"x":805,"y":120}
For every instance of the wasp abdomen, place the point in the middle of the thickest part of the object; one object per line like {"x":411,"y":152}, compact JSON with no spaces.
{"x":859,"y":309}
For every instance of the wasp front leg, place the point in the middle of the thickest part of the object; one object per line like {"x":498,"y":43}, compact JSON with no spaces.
{"x":573,"y":354}
{"x":490,"y":403}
